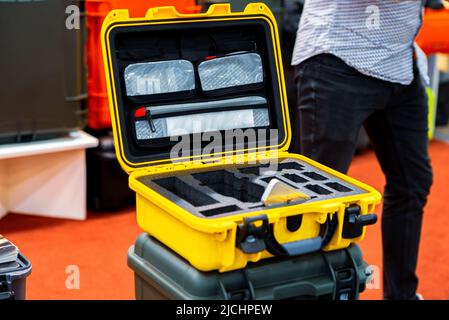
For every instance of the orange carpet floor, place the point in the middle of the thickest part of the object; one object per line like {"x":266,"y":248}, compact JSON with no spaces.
{"x":99,"y":245}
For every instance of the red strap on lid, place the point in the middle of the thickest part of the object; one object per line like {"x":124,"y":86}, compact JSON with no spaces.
{"x":140,"y":113}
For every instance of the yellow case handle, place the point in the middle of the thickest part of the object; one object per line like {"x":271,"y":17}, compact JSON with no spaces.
{"x":172,"y":13}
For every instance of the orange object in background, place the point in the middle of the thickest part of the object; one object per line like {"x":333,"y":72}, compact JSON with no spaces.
{"x":96,"y":11}
{"x":434,"y":34}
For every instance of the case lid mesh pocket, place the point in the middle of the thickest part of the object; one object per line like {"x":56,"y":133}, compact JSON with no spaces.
{"x":159,"y":77}
{"x":231,"y":71}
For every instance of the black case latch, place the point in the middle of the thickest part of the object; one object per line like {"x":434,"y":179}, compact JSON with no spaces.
{"x":354,"y":222}
{"x":346,"y":286}
{"x":6,"y":292}
{"x":236,"y":286}
{"x":251,"y":238}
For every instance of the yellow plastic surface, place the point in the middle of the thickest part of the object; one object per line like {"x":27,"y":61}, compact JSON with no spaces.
{"x":432,"y":102}
{"x":210,"y":243}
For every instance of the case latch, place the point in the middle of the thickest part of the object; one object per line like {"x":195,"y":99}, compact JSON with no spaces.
{"x":236,"y":287}
{"x":251,"y":238}
{"x":346,"y":279}
{"x":346,"y":286}
{"x":6,"y":292}
{"x":354,"y":222}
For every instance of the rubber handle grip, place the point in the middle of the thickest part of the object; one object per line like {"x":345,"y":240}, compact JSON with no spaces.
{"x":303,"y":246}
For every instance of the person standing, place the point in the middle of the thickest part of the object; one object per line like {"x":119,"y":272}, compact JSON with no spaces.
{"x":356,"y":63}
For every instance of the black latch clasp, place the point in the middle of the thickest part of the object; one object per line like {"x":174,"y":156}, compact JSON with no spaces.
{"x":251,"y":238}
{"x":346,"y":284}
{"x":354,"y":222}
{"x":6,"y":292}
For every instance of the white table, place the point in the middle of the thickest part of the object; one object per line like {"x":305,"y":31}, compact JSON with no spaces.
{"x":45,"y":178}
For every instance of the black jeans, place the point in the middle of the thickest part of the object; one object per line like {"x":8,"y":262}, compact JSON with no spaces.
{"x":334,"y":101}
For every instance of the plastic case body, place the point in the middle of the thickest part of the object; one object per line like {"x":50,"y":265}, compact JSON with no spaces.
{"x":227,"y":241}
{"x":161,"y":274}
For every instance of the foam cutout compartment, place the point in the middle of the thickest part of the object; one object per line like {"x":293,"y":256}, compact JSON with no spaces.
{"x":234,"y":190}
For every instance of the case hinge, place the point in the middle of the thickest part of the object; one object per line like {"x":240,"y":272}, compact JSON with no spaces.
{"x":6,"y":292}
{"x":171,"y":167}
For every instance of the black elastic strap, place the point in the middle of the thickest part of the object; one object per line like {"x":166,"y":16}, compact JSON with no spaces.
{"x":326,"y":233}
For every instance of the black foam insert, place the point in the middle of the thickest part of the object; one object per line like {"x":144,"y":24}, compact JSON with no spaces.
{"x":229,"y":185}
{"x":185,"y":192}
{"x":231,"y":190}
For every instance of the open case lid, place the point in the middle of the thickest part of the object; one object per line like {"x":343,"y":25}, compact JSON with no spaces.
{"x":203,"y":73}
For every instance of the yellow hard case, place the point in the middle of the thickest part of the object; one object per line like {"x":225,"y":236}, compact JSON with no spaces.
{"x":212,"y":243}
